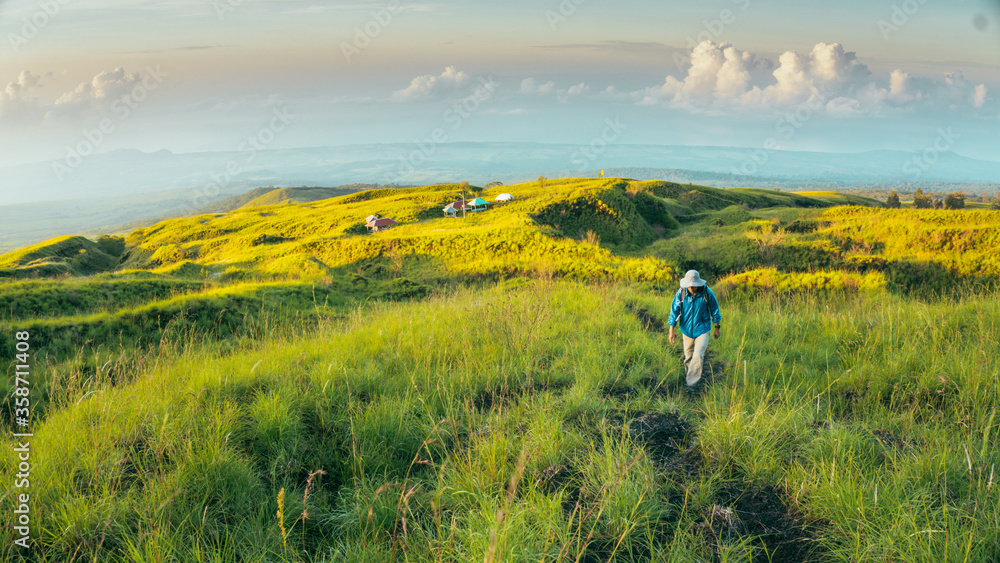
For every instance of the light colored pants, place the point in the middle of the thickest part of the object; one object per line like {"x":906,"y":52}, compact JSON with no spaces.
{"x":694,"y":356}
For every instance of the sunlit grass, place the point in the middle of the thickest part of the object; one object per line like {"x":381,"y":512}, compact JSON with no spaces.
{"x":475,"y":427}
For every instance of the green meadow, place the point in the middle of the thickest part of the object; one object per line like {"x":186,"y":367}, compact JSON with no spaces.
{"x":274,"y":384}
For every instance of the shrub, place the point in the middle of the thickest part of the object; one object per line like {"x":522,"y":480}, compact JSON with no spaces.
{"x":357,"y":229}
{"x":921,"y":201}
{"x":610,"y":214}
{"x":955,"y":201}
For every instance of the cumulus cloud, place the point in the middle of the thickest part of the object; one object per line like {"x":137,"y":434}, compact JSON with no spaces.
{"x":830,"y":64}
{"x":718,"y":74}
{"x":18,"y":90}
{"x":530,"y":86}
{"x":958,"y":91}
{"x":107,"y":85}
{"x":16,"y":98}
{"x":430,"y":86}
{"x":900,"y":90}
{"x":723,"y":78}
{"x":979,"y":96}
{"x":29,"y":99}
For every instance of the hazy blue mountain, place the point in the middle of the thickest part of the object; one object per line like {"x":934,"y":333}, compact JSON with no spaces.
{"x":131,"y":172}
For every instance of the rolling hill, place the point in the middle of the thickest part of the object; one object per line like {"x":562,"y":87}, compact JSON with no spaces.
{"x":273,"y":383}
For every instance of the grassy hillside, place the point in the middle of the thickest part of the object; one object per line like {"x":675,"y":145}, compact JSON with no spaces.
{"x":73,"y":255}
{"x":271,"y":195}
{"x":295,"y":195}
{"x":275,"y":384}
{"x":309,"y":240}
{"x":838,"y":198}
{"x":407,"y":432}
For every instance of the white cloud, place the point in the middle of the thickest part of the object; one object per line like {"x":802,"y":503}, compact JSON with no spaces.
{"x":793,"y":83}
{"x":723,"y":78}
{"x":979,"y":96}
{"x":15,"y":91}
{"x":529,"y":86}
{"x":900,"y":90}
{"x":430,"y":86}
{"x":15,"y":99}
{"x":107,"y":85}
{"x":578,"y":90}
{"x":831,"y":65}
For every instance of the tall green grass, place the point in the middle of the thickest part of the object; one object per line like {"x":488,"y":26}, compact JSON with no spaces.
{"x":500,"y":424}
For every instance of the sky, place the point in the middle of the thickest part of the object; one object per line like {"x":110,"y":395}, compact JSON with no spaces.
{"x":211,"y":75}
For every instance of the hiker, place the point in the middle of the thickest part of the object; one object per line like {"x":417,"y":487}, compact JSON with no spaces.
{"x":695,"y":309}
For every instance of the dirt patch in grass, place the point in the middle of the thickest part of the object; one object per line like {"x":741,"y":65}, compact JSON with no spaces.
{"x":777,"y":533}
{"x":661,"y":387}
{"x":649,"y":322}
{"x":669,"y":442}
{"x":662,"y":435}
{"x":620,"y":392}
{"x":561,"y":478}
{"x":713,"y":368}
{"x":487,"y":399}
{"x":658,"y":387}
{"x":845,"y":403}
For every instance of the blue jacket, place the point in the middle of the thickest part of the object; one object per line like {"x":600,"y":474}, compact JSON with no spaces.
{"x":695,"y":314}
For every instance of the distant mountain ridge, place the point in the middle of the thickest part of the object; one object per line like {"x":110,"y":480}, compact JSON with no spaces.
{"x":207,"y":174}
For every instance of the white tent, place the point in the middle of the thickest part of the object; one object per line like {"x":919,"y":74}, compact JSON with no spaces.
{"x":504,"y":197}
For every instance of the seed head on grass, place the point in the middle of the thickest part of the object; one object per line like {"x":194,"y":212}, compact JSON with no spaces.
{"x":281,"y":518}
{"x":305,"y":501}
{"x":305,"y":495}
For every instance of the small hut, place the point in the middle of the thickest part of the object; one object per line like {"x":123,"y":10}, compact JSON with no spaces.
{"x":504,"y":198}
{"x":476,"y":205}
{"x":450,"y":211}
{"x":379,"y":225}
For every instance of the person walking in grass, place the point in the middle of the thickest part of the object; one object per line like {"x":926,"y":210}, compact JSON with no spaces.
{"x":695,"y":309}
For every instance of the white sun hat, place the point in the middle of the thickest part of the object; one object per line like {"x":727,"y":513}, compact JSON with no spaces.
{"x":692,"y":279}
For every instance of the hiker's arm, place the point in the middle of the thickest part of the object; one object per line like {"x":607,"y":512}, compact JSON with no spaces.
{"x":713,"y":307}
{"x":675,"y":311}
